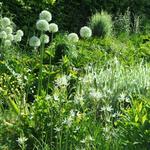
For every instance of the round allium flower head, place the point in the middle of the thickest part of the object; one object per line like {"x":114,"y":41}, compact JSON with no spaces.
{"x":53,"y":27}
{"x":7,"y":43}
{"x":46,"y":15}
{"x":85,"y":32}
{"x":17,"y":38}
{"x":73,"y":37}
{"x":42,"y":25}
{"x":44,"y":38}
{"x":5,"y":22}
{"x":34,"y":41}
{"x":10,"y":37}
{"x":3,"y":35}
{"x":8,"y":30}
{"x":20,"y":33}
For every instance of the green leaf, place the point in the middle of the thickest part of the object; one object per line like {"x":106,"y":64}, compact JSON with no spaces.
{"x":136,"y":118}
{"x":139,"y":107}
{"x":144,"y":118}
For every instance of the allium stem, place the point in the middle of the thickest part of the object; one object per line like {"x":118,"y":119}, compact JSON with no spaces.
{"x":41,"y":68}
{"x":49,"y":66}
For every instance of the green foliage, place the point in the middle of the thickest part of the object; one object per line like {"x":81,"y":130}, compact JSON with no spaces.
{"x":101,"y":24}
{"x":86,"y":98}
{"x":134,"y":126}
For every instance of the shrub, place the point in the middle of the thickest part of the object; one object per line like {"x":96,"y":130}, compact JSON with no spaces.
{"x":101,"y":24}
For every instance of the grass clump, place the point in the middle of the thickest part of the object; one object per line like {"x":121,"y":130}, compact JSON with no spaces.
{"x":101,"y":24}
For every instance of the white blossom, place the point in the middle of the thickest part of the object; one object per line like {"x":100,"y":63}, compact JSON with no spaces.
{"x":73,"y":37}
{"x":53,"y":28}
{"x":45,"y":15}
{"x":42,"y":25}
{"x":34,"y":41}
{"x":85,"y":32}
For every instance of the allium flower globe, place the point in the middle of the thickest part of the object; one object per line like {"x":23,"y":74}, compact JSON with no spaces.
{"x":45,"y":15}
{"x":53,"y":27}
{"x":10,"y":37}
{"x":5,"y":22}
{"x":20,"y":33}
{"x":8,"y":30}
{"x":44,"y":38}
{"x":7,"y":43}
{"x":42,"y":25}
{"x":17,"y":38}
{"x":73,"y":37}
{"x":34,"y":41}
{"x":3,"y":35}
{"x":85,"y":32}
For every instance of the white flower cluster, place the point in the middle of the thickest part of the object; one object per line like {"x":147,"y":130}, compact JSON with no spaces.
{"x":43,"y":25}
{"x":7,"y":35}
{"x":85,"y":32}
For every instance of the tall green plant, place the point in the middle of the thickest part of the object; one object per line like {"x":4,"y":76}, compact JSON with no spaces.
{"x":101,"y":24}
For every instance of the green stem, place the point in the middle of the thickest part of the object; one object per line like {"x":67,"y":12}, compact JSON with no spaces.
{"x":49,"y":66}
{"x":41,"y":68}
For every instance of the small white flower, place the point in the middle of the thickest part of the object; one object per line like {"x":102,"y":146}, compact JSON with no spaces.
{"x":53,"y":28}
{"x":89,"y":138}
{"x":20,"y":33}
{"x":5,"y":22}
{"x":62,"y":81}
{"x":56,"y":97}
{"x":72,"y":113}
{"x":22,"y":140}
{"x":8,"y":30}
{"x":103,"y":108}
{"x":3,"y":35}
{"x":109,"y":108}
{"x":57,"y":129}
{"x":85,"y":32}
{"x":73,"y":37}
{"x":48,"y":97}
{"x":42,"y":25}
{"x":10,"y":37}
{"x":34,"y":41}
{"x":44,"y":38}
{"x":95,"y":94}
{"x":46,"y":15}
{"x":122,"y":97}
{"x":7,"y":43}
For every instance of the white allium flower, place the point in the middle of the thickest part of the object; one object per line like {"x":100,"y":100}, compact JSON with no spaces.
{"x":7,"y":43}
{"x":10,"y":37}
{"x":17,"y":38}
{"x":44,"y":38}
{"x":73,"y":37}
{"x":3,"y":35}
{"x":20,"y":33}
{"x":85,"y":32}
{"x":46,"y":15}
{"x":8,"y":30}
{"x":5,"y":22}
{"x":34,"y":41}
{"x":42,"y":25}
{"x":53,"y":27}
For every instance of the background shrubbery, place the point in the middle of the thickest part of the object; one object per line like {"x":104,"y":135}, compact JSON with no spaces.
{"x":71,"y":15}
